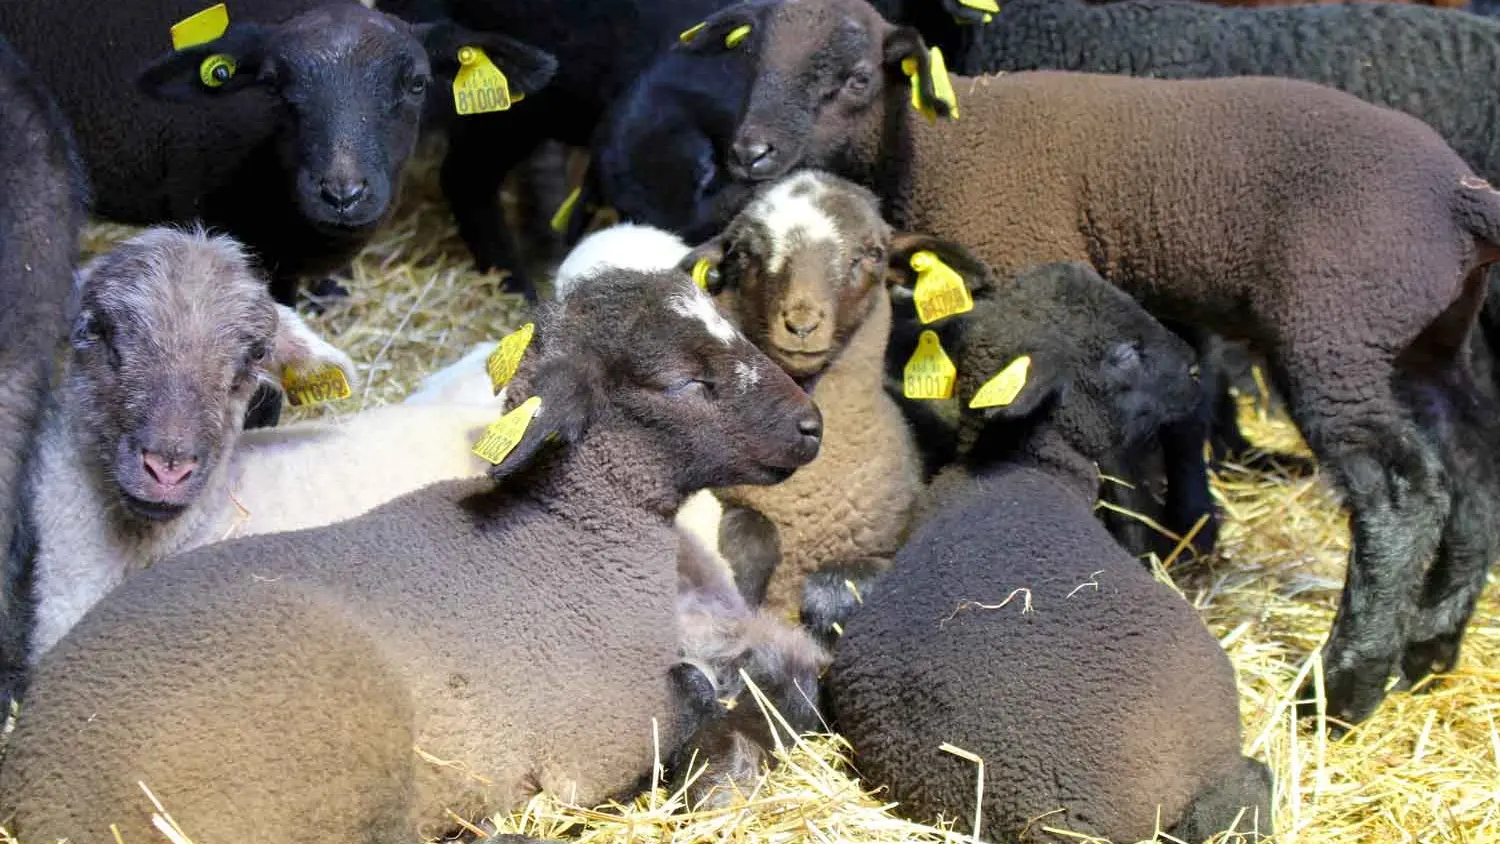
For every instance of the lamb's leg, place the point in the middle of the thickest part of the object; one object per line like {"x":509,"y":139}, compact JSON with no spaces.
{"x":1239,"y":801}
{"x":480,"y":155}
{"x":1189,"y":498}
{"x":751,"y":544}
{"x":831,"y":596}
{"x":1452,"y":587}
{"x":1398,"y":497}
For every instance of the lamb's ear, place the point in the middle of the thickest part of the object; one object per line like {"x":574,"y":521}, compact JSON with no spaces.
{"x":732,"y":28}
{"x":908,"y":55}
{"x":703,"y":264}
{"x":296,"y":348}
{"x":570,"y":392}
{"x":901,"y":276}
{"x":1015,"y":390}
{"x":232,"y":62}
{"x":527,"y":69}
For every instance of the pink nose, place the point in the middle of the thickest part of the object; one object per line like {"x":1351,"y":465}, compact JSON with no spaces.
{"x":168,"y":472}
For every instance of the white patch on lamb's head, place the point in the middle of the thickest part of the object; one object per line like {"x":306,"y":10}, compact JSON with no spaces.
{"x":628,"y":246}
{"x":693,"y":303}
{"x":793,"y":216}
{"x":745,"y":376}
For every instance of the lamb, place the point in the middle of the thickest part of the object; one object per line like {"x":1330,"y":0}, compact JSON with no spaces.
{"x":472,"y":642}
{"x":1360,"y":292}
{"x":1013,"y":627}
{"x":296,"y":151}
{"x":42,"y":198}
{"x":802,"y":271}
{"x":140,"y":454}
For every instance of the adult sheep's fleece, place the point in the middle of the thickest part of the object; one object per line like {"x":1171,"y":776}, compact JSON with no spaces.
{"x":1344,"y":240}
{"x":449,"y":653}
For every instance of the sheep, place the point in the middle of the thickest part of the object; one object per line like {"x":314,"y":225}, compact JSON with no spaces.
{"x":140,"y":454}
{"x":1013,"y":627}
{"x":448,"y":653}
{"x":42,"y":197}
{"x":298,"y":152}
{"x":802,"y":271}
{"x":1345,"y":240}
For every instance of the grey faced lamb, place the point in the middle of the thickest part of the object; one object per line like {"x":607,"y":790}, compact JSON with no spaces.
{"x":802,"y":271}
{"x":289,"y":131}
{"x":42,"y":198}
{"x":141,"y":453}
{"x":1012,"y":626}
{"x":1345,"y":240}
{"x":447,"y":654}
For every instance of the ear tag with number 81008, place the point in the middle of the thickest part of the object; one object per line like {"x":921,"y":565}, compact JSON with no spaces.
{"x":929,"y":374}
{"x":479,"y":87}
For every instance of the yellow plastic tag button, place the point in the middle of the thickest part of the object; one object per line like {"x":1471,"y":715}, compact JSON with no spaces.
{"x":701,"y":272}
{"x":506,"y":358}
{"x":479,"y":87}
{"x":564,"y":211}
{"x":1002,"y":389}
{"x":200,"y":28}
{"x":939,"y":291}
{"x":736,"y":35}
{"x":929,"y":374}
{"x":505,"y":433}
{"x":216,"y":70}
{"x":324,"y":384}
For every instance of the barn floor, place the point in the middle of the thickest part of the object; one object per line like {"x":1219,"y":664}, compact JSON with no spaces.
{"x":1425,"y":768}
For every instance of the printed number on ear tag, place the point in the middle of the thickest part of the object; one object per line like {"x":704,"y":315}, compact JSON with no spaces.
{"x":1004,"y":387}
{"x":942,"y":86}
{"x":929,"y":373}
{"x":506,"y":358}
{"x":479,"y":87}
{"x":505,"y":433}
{"x":939,"y":291}
{"x":321,"y":385}
{"x":200,"y":28}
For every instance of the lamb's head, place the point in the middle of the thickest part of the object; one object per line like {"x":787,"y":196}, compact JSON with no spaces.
{"x":827,"y":74}
{"x":1059,"y":346}
{"x":799,"y":268}
{"x":351,"y":84}
{"x":647,"y":355}
{"x":174,"y":331}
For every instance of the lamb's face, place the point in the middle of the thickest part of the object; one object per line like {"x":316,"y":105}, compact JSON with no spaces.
{"x":801,"y":266}
{"x":174,"y":333}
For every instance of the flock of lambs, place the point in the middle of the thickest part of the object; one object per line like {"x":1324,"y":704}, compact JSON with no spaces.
{"x":859,"y":349}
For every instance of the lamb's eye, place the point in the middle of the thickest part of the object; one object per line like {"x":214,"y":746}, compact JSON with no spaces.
{"x":689,"y":386}
{"x":257,"y":352}
{"x":417,"y":86}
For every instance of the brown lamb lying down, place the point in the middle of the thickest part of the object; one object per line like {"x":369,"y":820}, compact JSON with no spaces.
{"x":1344,"y":240}
{"x":449,"y":653}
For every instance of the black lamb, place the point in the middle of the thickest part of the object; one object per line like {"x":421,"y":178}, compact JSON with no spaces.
{"x":1013,"y":627}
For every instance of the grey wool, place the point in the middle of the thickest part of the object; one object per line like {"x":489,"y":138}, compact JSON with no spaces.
{"x":455,"y":650}
{"x":42,"y":200}
{"x":1014,"y":627}
{"x":1343,"y":240}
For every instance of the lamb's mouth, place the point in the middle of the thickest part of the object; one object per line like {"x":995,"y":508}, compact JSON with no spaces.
{"x":156,"y":511}
{"x":800,"y":362}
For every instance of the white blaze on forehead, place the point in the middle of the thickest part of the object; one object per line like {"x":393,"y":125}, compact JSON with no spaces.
{"x":693,"y":303}
{"x":792,"y":217}
{"x":626,"y":246}
{"x":745,"y":376}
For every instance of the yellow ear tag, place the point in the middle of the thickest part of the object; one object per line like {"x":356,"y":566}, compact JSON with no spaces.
{"x":504,"y":434}
{"x":942,"y":86}
{"x":700,"y":272}
{"x":688,"y":34}
{"x":216,"y":70}
{"x":989,"y":7}
{"x":1004,"y":387}
{"x":565,"y":210}
{"x":939,"y":291}
{"x":506,"y":358}
{"x":200,"y":28}
{"x":479,"y":87}
{"x":929,"y":374}
{"x":324,"y":384}
{"x":736,"y":35}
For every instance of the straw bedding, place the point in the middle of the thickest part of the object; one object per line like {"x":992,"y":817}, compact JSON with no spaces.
{"x":1425,"y":768}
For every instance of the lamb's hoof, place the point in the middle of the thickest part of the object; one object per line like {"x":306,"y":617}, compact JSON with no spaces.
{"x":328,"y":288}
{"x":517,"y":283}
{"x":1423,"y":659}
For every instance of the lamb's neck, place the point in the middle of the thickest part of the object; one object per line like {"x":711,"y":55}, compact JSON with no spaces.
{"x":855,"y":380}
{"x":612,"y":468}
{"x":1044,"y":448}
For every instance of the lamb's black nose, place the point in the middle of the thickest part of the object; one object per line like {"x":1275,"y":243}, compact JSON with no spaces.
{"x":811,"y":426}
{"x":343,"y":195}
{"x":754,"y":156}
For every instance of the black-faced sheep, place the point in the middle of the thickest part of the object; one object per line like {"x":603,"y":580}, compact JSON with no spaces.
{"x":1013,"y":627}
{"x":141,"y":455}
{"x":295,"y":146}
{"x":448,"y":653}
{"x":42,"y":199}
{"x":802,"y":271}
{"x":1345,"y":240}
